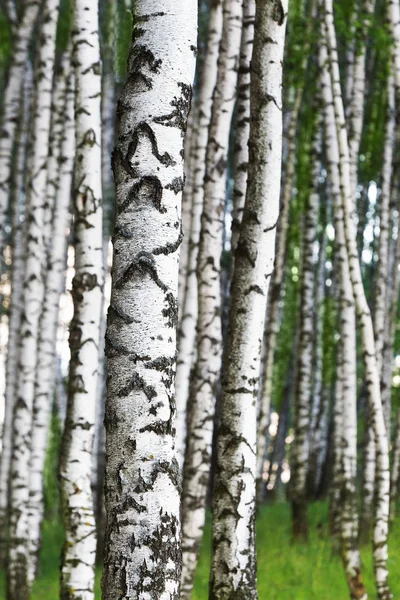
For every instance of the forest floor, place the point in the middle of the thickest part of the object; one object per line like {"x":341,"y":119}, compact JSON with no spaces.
{"x":285,"y":571}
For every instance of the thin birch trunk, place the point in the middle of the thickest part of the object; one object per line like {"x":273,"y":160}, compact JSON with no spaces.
{"x":11,"y":106}
{"x":187,"y":329}
{"x":59,"y":183}
{"x":241,"y":149}
{"x":358,"y":91}
{"x":365,"y":322}
{"x":302,"y":396}
{"x":143,"y":550}
{"x":18,"y":205}
{"x":18,"y":576}
{"x":233,"y":570}
{"x":206,"y":372}
{"x":272,"y":322}
{"x":79,"y":553}
{"x":346,"y":404}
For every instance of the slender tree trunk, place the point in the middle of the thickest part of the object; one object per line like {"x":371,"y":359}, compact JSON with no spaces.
{"x":143,"y":553}
{"x":79,"y":553}
{"x":11,"y":106}
{"x":241,"y":150}
{"x":187,"y":329}
{"x":302,"y":396}
{"x":18,"y":577}
{"x":233,"y":571}
{"x":18,"y":206}
{"x":206,"y":373}
{"x":366,"y":326}
{"x":346,"y":404}
{"x":272,"y":321}
{"x":59,"y":184}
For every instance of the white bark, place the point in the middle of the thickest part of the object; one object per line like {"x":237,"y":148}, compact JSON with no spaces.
{"x":241,"y":149}
{"x":11,"y":106}
{"x":59,"y":183}
{"x":365,"y":322}
{"x":346,"y":396}
{"x":18,"y":577}
{"x":143,"y":554}
{"x":78,"y":560}
{"x":206,"y":372}
{"x":233,"y":571}
{"x":272,"y":322}
{"x":14,"y":324}
{"x":302,"y":395}
{"x":187,"y":329}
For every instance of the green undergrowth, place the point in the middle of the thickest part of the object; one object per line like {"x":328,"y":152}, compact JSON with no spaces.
{"x":285,"y":571}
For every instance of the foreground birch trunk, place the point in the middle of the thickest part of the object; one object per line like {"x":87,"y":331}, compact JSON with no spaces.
{"x":79,"y":553}
{"x":143,"y":550}
{"x":59,"y":195}
{"x":19,"y":208}
{"x":233,"y":571}
{"x":206,"y":372}
{"x":18,"y":579}
{"x":11,"y":106}
{"x":187,"y":329}
{"x":346,"y":396}
{"x":366,"y":326}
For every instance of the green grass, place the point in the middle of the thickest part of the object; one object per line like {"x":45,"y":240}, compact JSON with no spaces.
{"x":285,"y":571}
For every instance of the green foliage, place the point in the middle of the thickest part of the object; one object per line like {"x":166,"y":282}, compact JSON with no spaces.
{"x":123,"y":37}
{"x":50,"y":480}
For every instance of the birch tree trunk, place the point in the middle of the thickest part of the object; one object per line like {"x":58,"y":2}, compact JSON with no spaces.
{"x":366,"y":326}
{"x":59,"y":184}
{"x":143,"y":551}
{"x":11,"y":106}
{"x":187,"y":329}
{"x":302,"y":395}
{"x":346,"y":396}
{"x":18,"y":206}
{"x":206,"y":372}
{"x":233,"y":571}
{"x":18,"y":577}
{"x":79,"y":553}
{"x":241,"y":156}
{"x":272,"y":324}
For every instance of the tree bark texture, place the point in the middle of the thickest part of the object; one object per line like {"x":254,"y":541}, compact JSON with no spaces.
{"x":142,"y":486}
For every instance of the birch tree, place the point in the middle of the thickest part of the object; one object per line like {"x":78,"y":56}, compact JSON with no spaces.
{"x":187,"y":329}
{"x":79,"y":553}
{"x":233,"y":571}
{"x":18,"y":206}
{"x":59,"y":184}
{"x":11,"y":106}
{"x":143,"y":553}
{"x":346,"y":393}
{"x":365,"y":322}
{"x":206,"y":371}
{"x":19,"y":579}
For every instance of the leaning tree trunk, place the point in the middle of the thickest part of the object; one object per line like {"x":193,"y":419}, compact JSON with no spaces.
{"x":302,"y":395}
{"x":206,"y":371}
{"x":60,"y":167}
{"x":18,"y":208}
{"x":11,"y":106}
{"x":79,"y":553}
{"x":143,"y":553}
{"x":18,"y":579}
{"x":346,"y":393}
{"x":187,"y":328}
{"x":366,"y":326}
{"x":233,"y":571}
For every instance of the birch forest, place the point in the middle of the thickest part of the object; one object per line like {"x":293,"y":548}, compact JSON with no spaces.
{"x":199,"y":299}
